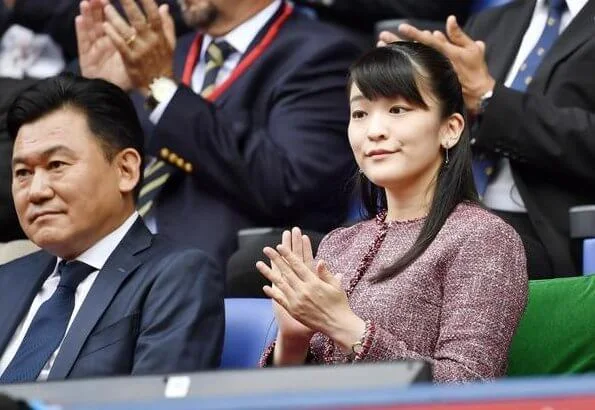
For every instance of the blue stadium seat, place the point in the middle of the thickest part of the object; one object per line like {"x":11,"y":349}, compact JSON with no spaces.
{"x":249,"y":328}
{"x":589,"y":256}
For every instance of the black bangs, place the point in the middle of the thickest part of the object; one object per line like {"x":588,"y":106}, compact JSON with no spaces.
{"x":382,"y":72}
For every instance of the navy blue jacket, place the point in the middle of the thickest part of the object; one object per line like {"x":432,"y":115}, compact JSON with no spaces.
{"x":153,"y":308}
{"x":270,"y":151}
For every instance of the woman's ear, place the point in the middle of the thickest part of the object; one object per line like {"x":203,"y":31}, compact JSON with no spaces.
{"x":128,"y":162}
{"x":452,"y":130}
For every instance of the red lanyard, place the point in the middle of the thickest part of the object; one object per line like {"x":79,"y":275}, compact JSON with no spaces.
{"x":256,"y":52}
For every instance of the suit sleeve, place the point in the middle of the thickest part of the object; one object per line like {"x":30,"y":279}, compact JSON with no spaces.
{"x":183,"y":320}
{"x":279,"y":167}
{"x":484,"y":295}
{"x":538,"y":131}
{"x":532,"y":131}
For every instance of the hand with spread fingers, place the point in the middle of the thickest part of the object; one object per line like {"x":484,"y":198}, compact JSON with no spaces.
{"x":310,"y":297}
{"x":98,"y":56}
{"x":466,"y":55}
{"x":385,"y":37}
{"x":146,"y":44}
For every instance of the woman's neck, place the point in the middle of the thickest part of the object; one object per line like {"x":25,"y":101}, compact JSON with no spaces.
{"x":409,"y":202}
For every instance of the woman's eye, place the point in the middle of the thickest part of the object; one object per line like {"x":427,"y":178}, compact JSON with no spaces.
{"x":357,"y":114}
{"x":398,"y":110}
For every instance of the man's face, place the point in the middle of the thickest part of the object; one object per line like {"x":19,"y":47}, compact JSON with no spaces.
{"x":67,"y":194}
{"x":200,"y":14}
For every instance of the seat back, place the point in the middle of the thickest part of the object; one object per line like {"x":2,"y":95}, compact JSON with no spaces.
{"x":556,"y":334}
{"x":589,"y":256}
{"x":249,"y":328}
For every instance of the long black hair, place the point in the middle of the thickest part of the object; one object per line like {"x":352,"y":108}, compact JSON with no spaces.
{"x":399,"y":70}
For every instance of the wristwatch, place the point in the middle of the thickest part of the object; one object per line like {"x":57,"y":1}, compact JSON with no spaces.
{"x":483,"y":102}
{"x":160,"y":89}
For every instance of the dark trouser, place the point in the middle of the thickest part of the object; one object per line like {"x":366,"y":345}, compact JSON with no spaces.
{"x":539,"y":265}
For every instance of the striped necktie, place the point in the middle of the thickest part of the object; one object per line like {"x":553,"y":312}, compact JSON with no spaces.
{"x":158,"y":172}
{"x":48,"y":327}
{"x":484,"y":165}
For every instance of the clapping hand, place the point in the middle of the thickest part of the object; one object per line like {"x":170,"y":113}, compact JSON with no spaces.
{"x":146,"y":44}
{"x":98,"y":56}
{"x":308,"y":293}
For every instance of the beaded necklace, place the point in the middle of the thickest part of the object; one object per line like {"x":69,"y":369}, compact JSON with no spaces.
{"x":361,"y":270}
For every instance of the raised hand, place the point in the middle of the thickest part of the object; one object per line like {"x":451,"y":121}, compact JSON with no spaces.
{"x":311,"y":294}
{"x":386,"y":37}
{"x":98,"y":56}
{"x":146,"y":44}
{"x":288,"y":326}
{"x":466,"y":55}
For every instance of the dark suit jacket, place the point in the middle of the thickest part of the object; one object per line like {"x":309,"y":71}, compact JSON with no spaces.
{"x":548,"y":133}
{"x":364,"y":13}
{"x":271,"y":151}
{"x":154,"y":308}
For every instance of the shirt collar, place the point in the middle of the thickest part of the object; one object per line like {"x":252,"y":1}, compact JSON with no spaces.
{"x":241,"y":36}
{"x":97,"y":255}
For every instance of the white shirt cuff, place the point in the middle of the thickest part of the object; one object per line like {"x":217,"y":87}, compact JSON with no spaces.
{"x":157,"y":113}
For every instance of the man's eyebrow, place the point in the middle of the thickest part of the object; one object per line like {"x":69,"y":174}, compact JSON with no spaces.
{"x":56,"y":149}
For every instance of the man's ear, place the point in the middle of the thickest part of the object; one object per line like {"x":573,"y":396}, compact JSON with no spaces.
{"x":452,"y":129}
{"x":128,"y":162}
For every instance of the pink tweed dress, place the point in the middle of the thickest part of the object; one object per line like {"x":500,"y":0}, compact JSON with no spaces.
{"x":457,"y":306}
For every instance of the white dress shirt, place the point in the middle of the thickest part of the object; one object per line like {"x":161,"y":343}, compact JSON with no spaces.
{"x":95,"y":256}
{"x":501,"y":193}
{"x":239,"y":38}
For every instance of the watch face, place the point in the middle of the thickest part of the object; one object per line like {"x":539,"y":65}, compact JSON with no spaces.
{"x":357,"y":347}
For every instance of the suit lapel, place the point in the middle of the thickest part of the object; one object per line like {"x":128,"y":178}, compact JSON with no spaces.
{"x":119,"y":266}
{"x":26,"y":278}
{"x":581,"y":29}
{"x":513,"y":24}
{"x":255,"y":41}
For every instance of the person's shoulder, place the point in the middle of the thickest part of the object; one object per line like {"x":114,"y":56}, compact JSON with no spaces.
{"x":317,"y":33}
{"x":164,"y":252}
{"x":475,"y":221}
{"x":344,"y":237}
{"x":22,"y":260}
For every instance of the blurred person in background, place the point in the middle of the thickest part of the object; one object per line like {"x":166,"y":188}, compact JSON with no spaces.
{"x":527,"y":74}
{"x":246,"y":117}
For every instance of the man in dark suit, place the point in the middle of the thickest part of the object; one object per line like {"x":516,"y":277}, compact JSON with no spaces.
{"x":527,"y":74}
{"x":249,"y":114}
{"x":104,"y":296}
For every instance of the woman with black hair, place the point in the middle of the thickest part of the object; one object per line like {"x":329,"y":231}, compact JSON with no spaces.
{"x":432,"y":275}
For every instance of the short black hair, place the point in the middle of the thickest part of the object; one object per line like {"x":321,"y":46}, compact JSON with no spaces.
{"x":111,"y":116}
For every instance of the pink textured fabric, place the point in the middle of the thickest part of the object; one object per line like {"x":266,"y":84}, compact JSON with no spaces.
{"x":457,"y":306}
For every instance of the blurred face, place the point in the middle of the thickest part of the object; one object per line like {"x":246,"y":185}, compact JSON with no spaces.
{"x":396,"y":144}
{"x":67,"y":194}
{"x":199,"y":14}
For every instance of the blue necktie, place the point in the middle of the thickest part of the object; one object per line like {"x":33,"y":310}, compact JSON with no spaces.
{"x":483,"y":165}
{"x":48,"y":326}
